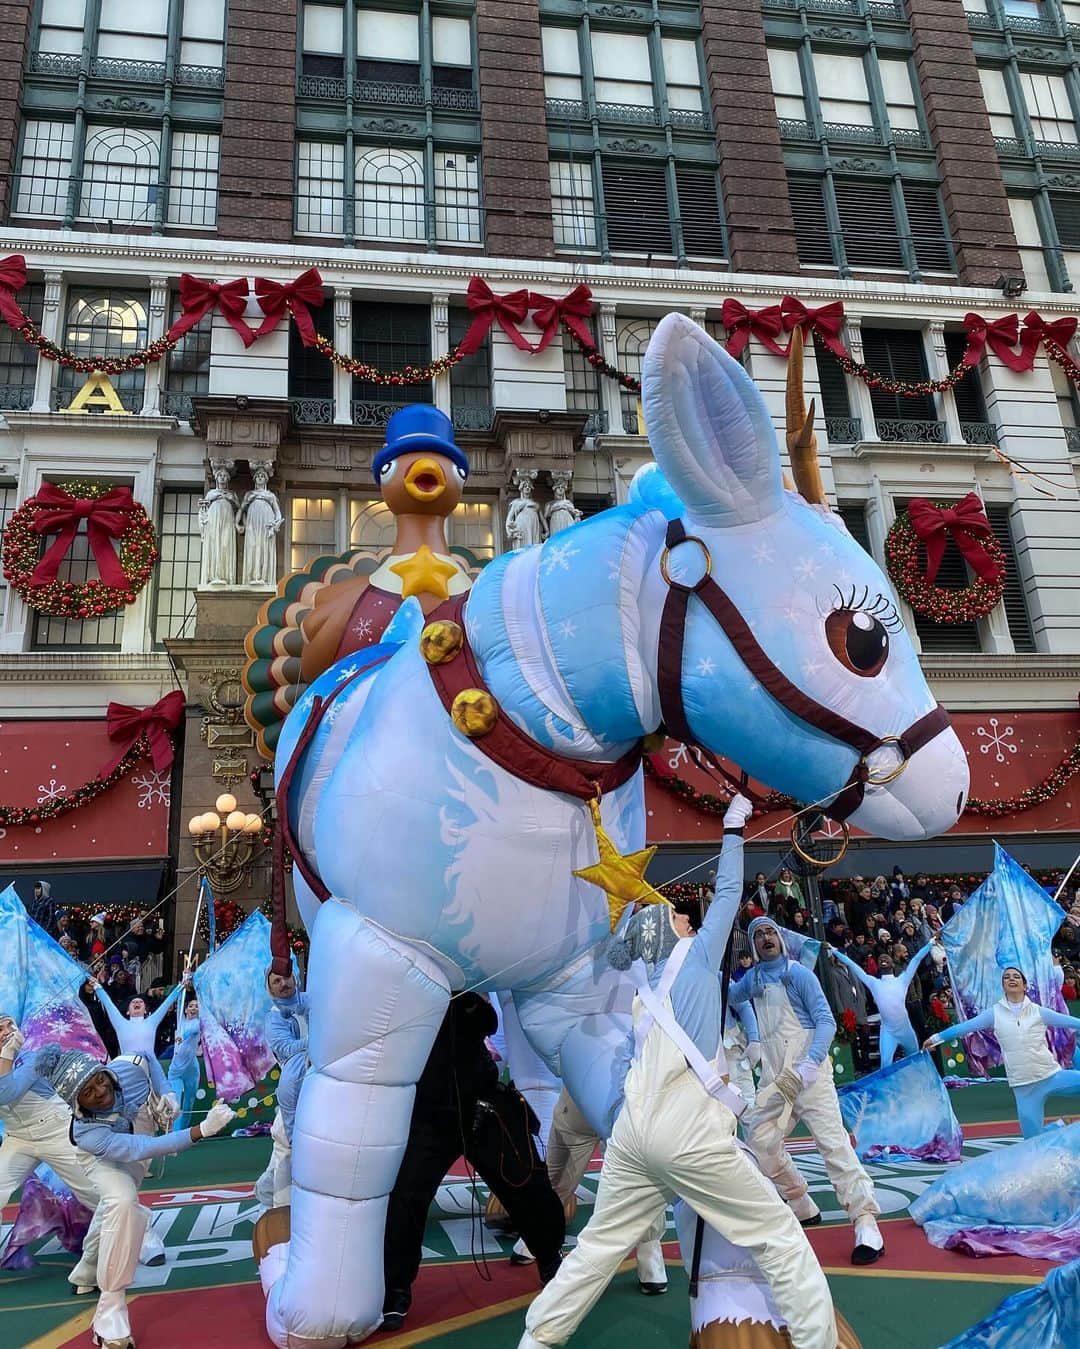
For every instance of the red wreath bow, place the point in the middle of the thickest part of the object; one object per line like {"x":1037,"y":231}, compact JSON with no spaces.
{"x":572,"y":310}
{"x":1037,"y":331}
{"x":299,"y":297}
{"x":106,"y":518}
{"x":126,"y":724}
{"x":765,"y":324}
{"x":12,"y":280}
{"x":1001,"y":336}
{"x":488,"y":308}
{"x":965,"y":522}
{"x":827,"y":321}
{"x":198,"y":298}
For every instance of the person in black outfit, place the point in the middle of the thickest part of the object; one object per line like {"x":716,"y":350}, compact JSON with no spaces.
{"x":462,"y":1109}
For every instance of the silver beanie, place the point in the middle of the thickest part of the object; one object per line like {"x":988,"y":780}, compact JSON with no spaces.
{"x":70,"y":1072}
{"x":650,"y":936}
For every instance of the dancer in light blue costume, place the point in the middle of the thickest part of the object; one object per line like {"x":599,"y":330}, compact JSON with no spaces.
{"x":137,"y":1031}
{"x":184,"y":1070}
{"x":675,"y":1133}
{"x":889,"y":992}
{"x":287,"y":1036}
{"x":1031,"y":1069}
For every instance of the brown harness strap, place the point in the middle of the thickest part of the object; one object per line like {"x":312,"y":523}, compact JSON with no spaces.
{"x":509,"y":747}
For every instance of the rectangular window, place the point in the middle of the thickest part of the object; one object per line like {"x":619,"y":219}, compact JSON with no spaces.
{"x":389,"y":194}
{"x":812,"y":239}
{"x":844,"y":96}
{"x":129,"y":32}
{"x":388,"y":46}
{"x":202,"y":35}
{"x":312,"y":530}
{"x":120,"y":174}
{"x":1068,"y":400}
{"x":952,"y":575}
{"x":926,"y":221}
{"x":177,"y":574}
{"x":187,"y":369}
{"x":1014,"y":598}
{"x":8,"y":495}
{"x":636,"y":205}
{"x":470,"y":379}
{"x":193,"y":178}
{"x":621,"y":69}
{"x":18,"y":359}
{"x":682,"y":73}
{"x":899,"y":94}
{"x":391,"y":336}
{"x":853,"y":514}
{"x":1048,"y":107}
{"x":572,"y":206}
{"x":583,"y":388}
{"x":562,"y":63}
{"x":311,"y":376}
{"x":1065,"y":207}
{"x":868,"y":225}
{"x":699,"y":211}
{"x":787,"y":84}
{"x":898,"y":353}
{"x":44,"y":169}
{"x":472,"y":526}
{"x":457,"y":197}
{"x":320,"y":187}
{"x":109,"y":323}
{"x":451,"y":53}
{"x":61,"y":27}
{"x":835,"y":403}
{"x":1026,"y":229}
{"x":970,"y":404}
{"x":996,"y":98}
{"x":322,"y":40}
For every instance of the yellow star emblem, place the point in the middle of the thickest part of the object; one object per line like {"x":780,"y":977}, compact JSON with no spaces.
{"x":424,"y":574}
{"x":621,"y":878}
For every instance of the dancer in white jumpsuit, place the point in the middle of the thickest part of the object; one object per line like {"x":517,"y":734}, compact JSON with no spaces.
{"x":1030,"y":1068}
{"x":287,"y":1036}
{"x":675,"y":1133}
{"x":795,"y":1029}
{"x":108,"y":1103}
{"x":889,"y":991}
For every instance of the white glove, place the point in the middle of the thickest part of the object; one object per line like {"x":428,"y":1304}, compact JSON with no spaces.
{"x":738,"y":812}
{"x":12,"y":1045}
{"x":753,"y":1054}
{"x":808,"y":1071}
{"x":216,"y":1119}
{"x":170,"y":1105}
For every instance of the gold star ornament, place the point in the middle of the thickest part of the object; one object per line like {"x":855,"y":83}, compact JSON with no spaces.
{"x":621,"y":878}
{"x":424,"y":574}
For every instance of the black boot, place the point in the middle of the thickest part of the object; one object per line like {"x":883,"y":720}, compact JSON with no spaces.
{"x":396,"y":1306}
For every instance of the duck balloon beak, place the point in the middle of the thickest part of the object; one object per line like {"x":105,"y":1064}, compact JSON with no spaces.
{"x":425,"y":480}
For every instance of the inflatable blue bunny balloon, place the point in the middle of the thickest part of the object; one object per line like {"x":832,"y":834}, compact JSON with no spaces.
{"x":438,"y":785}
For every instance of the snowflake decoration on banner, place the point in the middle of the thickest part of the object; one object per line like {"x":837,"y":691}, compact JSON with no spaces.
{"x":154,"y":790}
{"x":997,"y":739}
{"x":50,"y":791}
{"x":678,"y":755}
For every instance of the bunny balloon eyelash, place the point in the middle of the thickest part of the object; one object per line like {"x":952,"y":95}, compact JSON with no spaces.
{"x":877,"y":606}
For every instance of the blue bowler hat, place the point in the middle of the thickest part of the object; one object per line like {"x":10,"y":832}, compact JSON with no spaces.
{"x":419,"y":427}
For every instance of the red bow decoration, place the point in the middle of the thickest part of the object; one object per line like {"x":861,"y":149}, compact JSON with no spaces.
{"x":765,"y":324}
{"x":12,"y":280}
{"x":106,"y":518}
{"x":488,"y":308}
{"x":965,"y":522}
{"x":827,"y":321}
{"x":1002,"y":336}
{"x":572,"y":310}
{"x":1037,"y":331}
{"x":198,"y":298}
{"x":126,"y":724}
{"x":299,"y":297}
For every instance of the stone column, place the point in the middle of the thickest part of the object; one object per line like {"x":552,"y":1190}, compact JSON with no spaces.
{"x":858,"y":393}
{"x":154,"y":375}
{"x":937,"y":359}
{"x":343,"y":342}
{"x":50,"y":328}
{"x":440,"y":346}
{"x":609,"y":388}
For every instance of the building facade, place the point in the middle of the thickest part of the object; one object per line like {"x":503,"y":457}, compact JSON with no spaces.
{"x":914,"y":159}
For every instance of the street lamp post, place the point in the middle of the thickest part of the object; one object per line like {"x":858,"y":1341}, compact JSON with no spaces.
{"x":226,"y":847}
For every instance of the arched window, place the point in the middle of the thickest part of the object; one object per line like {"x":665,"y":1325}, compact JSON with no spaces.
{"x":107,"y":323}
{"x":390,"y":194}
{"x":371,"y":524}
{"x":633,"y":337}
{"x":120,"y":174}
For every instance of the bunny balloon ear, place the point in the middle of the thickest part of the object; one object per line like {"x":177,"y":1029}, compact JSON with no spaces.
{"x":709,"y":428}
{"x":651,"y":491}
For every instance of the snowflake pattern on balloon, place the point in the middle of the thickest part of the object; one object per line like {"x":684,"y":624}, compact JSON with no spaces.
{"x":155,"y":789}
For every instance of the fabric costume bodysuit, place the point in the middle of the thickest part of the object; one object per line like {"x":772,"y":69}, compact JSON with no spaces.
{"x":1031,"y":1069}
{"x":136,"y":1035}
{"x":889,"y":992}
{"x":184,"y":1071}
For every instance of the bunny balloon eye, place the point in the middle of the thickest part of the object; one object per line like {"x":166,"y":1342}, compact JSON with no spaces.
{"x":858,"y":640}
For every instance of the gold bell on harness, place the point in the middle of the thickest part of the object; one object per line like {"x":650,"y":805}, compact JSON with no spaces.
{"x":441,"y":641}
{"x":474,"y":712}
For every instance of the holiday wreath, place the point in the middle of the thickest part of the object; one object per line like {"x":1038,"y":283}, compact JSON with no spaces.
{"x":929,"y":524}
{"x":111,"y":513}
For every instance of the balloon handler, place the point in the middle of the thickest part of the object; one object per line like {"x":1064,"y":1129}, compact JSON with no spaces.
{"x":111,"y":1131}
{"x":795,"y":1028}
{"x":462,"y":1109}
{"x":675,"y":1133}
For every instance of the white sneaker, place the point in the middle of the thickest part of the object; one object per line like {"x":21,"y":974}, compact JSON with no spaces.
{"x":521,"y":1255}
{"x":869,"y":1243}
